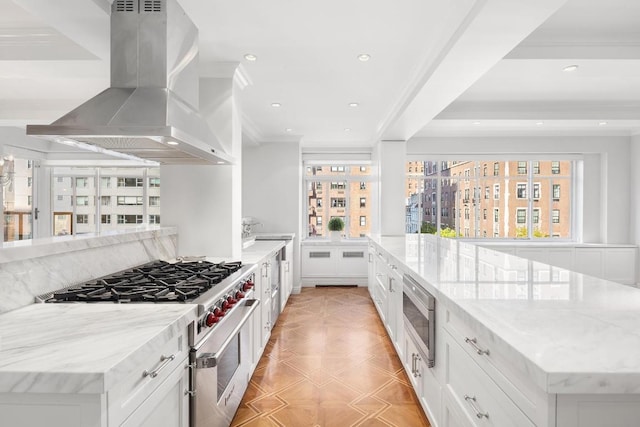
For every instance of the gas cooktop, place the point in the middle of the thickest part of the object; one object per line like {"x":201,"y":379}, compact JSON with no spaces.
{"x":156,"y":282}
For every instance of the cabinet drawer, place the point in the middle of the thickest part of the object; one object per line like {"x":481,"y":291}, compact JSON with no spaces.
{"x":144,"y":377}
{"x":479,"y":344}
{"x":475,"y":393}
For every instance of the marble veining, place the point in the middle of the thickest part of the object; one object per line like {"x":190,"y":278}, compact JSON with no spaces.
{"x":52,"y":265}
{"x":82,"y":348}
{"x":567,"y":332}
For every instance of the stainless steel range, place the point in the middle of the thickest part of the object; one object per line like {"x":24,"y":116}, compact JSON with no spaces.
{"x":220,"y":340}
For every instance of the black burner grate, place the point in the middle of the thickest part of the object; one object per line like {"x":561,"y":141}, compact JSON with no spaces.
{"x":158,"y":281}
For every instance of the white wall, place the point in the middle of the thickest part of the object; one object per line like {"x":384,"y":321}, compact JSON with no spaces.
{"x":607,"y":172}
{"x":391,"y":168}
{"x":634,"y":197}
{"x":272,"y":191}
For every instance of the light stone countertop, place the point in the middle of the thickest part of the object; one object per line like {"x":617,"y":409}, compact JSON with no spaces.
{"x":82,"y":348}
{"x":259,"y":249}
{"x":568,"y":332}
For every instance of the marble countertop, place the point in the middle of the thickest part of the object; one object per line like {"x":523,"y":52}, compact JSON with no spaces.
{"x":82,"y":348}
{"x":259,"y":249}
{"x":568,"y":332}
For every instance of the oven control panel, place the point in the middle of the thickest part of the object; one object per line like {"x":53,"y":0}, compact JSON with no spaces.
{"x":217,"y":311}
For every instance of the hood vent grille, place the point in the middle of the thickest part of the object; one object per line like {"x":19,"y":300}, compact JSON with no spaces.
{"x":124,"y":5}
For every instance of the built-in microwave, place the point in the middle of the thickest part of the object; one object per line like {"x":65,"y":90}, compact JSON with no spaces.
{"x":418,"y":309}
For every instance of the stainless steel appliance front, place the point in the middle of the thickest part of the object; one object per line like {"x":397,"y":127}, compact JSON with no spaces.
{"x":222,"y":362}
{"x":418,"y":308}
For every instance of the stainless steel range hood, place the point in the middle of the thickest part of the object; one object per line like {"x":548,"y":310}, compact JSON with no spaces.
{"x":151,"y":109}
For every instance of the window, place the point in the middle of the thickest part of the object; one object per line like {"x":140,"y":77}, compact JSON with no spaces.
{"x":154,"y":182}
{"x":29,"y":164}
{"x":130,"y":182}
{"x":60,"y":197}
{"x":536,"y":191}
{"x":82,"y":219}
{"x":105,"y":219}
{"x":555,"y":215}
{"x":29,"y":181}
{"x":29,"y":200}
{"x":154,"y":219}
{"x":459,"y":197}
{"x":82,"y":201}
{"x":60,"y":179}
{"x":81,"y":182}
{"x":555,"y":168}
{"x":484,"y":170}
{"x":129,"y":200}
{"x":496,"y":169}
{"x":338,"y":202}
{"x":105,"y":182}
{"x":105,"y":201}
{"x":154,"y":200}
{"x":522,"y":168}
{"x":129,"y":219}
{"x":342,"y":191}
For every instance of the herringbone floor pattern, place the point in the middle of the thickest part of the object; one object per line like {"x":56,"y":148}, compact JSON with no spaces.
{"x":329,"y":363}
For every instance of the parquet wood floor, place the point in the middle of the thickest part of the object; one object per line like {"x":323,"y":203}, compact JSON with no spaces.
{"x":329,"y":363}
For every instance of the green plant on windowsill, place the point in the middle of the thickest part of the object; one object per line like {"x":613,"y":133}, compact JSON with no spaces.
{"x":335,"y":226}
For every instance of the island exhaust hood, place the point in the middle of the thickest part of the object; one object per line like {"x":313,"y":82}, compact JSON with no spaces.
{"x":151,"y":109}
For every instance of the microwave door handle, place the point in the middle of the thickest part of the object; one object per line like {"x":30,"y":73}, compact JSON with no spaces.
{"x":210,"y":360}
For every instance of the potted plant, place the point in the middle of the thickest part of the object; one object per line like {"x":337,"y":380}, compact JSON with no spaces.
{"x":335,"y":226}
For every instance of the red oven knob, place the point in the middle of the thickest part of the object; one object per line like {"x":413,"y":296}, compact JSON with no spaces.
{"x":225,"y":305}
{"x":247,"y":285}
{"x":239,"y":295}
{"x":217,"y":312}
{"x":231,"y":301}
{"x":211,"y":319}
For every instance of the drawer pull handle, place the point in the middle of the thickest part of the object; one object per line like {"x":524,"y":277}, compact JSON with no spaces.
{"x":473,"y":403}
{"x":474,"y":343}
{"x":165,"y":361}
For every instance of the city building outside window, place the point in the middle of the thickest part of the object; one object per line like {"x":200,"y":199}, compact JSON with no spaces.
{"x":105,"y":200}
{"x":105,"y":219}
{"x":531,"y":210}
{"x":130,"y":182}
{"x":154,"y":200}
{"x":82,"y":219}
{"x":154,"y":219}
{"x":336,"y":190}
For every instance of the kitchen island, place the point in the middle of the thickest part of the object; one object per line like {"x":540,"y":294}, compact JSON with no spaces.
{"x":558,"y":347}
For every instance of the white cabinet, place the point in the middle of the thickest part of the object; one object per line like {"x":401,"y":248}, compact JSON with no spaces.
{"x":263,"y":293}
{"x":339,"y":264}
{"x":153,"y":393}
{"x":168,"y":405}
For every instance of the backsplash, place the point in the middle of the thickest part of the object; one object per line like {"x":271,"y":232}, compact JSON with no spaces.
{"x":30,"y":270}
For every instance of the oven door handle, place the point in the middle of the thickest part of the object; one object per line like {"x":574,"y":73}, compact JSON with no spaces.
{"x":210,"y":360}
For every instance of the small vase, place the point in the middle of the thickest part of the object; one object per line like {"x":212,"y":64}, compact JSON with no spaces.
{"x":335,"y":236}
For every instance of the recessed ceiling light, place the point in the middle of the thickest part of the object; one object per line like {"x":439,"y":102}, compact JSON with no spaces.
{"x":220,"y":162}
{"x":364,"y":57}
{"x":347,"y":129}
{"x":476,"y":123}
{"x":602,"y":123}
{"x":289,"y":130}
{"x":539,"y":123}
{"x":353,"y":104}
{"x":570,"y":68}
{"x":172,"y":142}
{"x":276,"y":104}
{"x":250,"y":57}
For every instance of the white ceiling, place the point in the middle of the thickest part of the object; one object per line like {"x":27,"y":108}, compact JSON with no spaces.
{"x":436,"y":67}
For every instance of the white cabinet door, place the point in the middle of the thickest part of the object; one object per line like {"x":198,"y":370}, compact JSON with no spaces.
{"x":167,"y":406}
{"x":265,"y":304}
